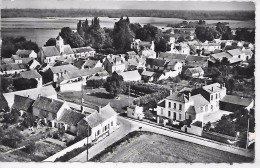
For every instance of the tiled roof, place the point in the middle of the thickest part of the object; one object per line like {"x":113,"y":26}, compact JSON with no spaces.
{"x":82,"y":49}
{"x":180,"y":97}
{"x":30,"y":74}
{"x":155,"y":62}
{"x":24,"y":52}
{"x":235,"y":52}
{"x":147,"y":73}
{"x":197,"y":58}
{"x":237,"y":100}
{"x":50,"y":51}
{"x":221,"y":55}
{"x":172,"y":56}
{"x":63,"y":68}
{"x":130,"y":75}
{"x":10,"y":67}
{"x":196,"y":70}
{"x":48,"y":104}
{"x":79,"y":63}
{"x":22,"y":103}
{"x":216,"y":88}
{"x":94,"y":119}
{"x":107,"y":112}
{"x":67,"y":49}
{"x":71,"y":117}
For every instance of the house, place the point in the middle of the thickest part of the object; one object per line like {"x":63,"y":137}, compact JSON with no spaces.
{"x":69,"y":119}
{"x":49,"y":109}
{"x":26,"y":53}
{"x":197,"y":72}
{"x":219,"y":56}
{"x":197,"y":61}
{"x":132,"y":64}
{"x":32,"y":74}
{"x":17,"y":59}
{"x":84,"y":52}
{"x":182,"y":48}
{"x":164,"y":75}
{"x":12,"y":68}
{"x":48,"y":54}
{"x":46,"y":91}
{"x":248,"y":53}
{"x":208,"y":46}
{"x":7,"y":60}
{"x":142,"y":45}
{"x":34,"y":64}
{"x":237,"y":53}
{"x":180,"y":106}
{"x":174,"y":66}
{"x":155,"y":64}
{"x":136,"y":112}
{"x":22,"y":104}
{"x":213,"y":93}
{"x":99,"y":123}
{"x":233,"y":103}
{"x":147,"y":53}
{"x":114,"y":63}
{"x":147,"y":76}
{"x":54,"y":73}
{"x":67,"y":52}
{"x":131,"y":76}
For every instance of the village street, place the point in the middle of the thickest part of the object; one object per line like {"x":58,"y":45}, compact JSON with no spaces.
{"x":128,"y":125}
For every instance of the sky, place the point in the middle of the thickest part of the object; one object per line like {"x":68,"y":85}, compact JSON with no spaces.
{"x":126,"y":4}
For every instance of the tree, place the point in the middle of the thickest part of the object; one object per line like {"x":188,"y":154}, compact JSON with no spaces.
{"x":51,"y":42}
{"x":23,"y":83}
{"x":206,"y":33}
{"x":122,"y":36}
{"x":134,"y":27}
{"x":114,"y":84}
{"x":71,"y":38}
{"x":12,"y":138}
{"x":149,"y":33}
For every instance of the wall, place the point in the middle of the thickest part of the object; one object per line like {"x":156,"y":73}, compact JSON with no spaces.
{"x":195,"y":130}
{"x":75,"y":86}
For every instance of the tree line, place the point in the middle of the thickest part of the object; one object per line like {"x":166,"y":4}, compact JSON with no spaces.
{"x":187,"y":15}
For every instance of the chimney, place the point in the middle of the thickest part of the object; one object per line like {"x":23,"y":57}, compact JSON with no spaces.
{"x":99,"y":109}
{"x":171,"y":92}
{"x":212,"y":88}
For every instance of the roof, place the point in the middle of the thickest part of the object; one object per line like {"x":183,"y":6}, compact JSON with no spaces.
{"x":16,"y":57}
{"x":79,"y":63}
{"x":46,"y":91}
{"x":199,"y":100}
{"x":172,"y":56}
{"x":234,"y":60}
{"x":107,"y":112}
{"x":131,"y":75}
{"x":94,"y":119}
{"x":132,"y":62}
{"x":172,"y":63}
{"x":196,"y":70}
{"x":179,"y":97}
{"x":63,"y":68}
{"x":247,"y":51}
{"x":24,"y":52}
{"x":237,"y":100}
{"x":145,"y":43}
{"x":10,"y":67}
{"x":161,"y":104}
{"x":26,"y":60}
{"x":82,"y":49}
{"x":197,"y":58}
{"x":67,"y":49}
{"x":155,"y":62}
{"x":90,"y":63}
{"x":30,"y":74}
{"x":131,"y":53}
{"x":71,"y":117}
{"x":221,"y":55}
{"x":3,"y":102}
{"x":197,"y":124}
{"x":216,"y":88}
{"x":234,"y":52}
{"x":8,"y":60}
{"x":191,"y":110}
{"x":147,"y":73}
{"x":50,"y":51}
{"x":22,"y":103}
{"x":48,"y":104}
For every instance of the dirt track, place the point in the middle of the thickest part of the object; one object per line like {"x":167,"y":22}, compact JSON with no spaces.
{"x":158,"y":148}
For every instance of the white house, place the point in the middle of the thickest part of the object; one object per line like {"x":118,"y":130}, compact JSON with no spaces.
{"x":174,"y":66}
{"x":26,"y":53}
{"x":100,"y":123}
{"x":33,"y":64}
{"x":84,"y":52}
{"x":131,"y":76}
{"x":237,"y":53}
{"x":197,"y":72}
{"x":136,"y":112}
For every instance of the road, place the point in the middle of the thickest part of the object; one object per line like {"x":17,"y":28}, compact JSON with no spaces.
{"x":129,"y":125}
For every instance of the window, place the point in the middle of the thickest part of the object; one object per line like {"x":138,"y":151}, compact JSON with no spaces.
{"x":169,"y":104}
{"x":211,"y":107}
{"x":98,"y":132}
{"x":211,"y":97}
{"x":206,"y":108}
{"x":219,"y":95}
{"x":174,"y":116}
{"x":174,"y":105}
{"x":169,"y":113}
{"x":179,"y":116}
{"x":161,"y":111}
{"x":111,"y":123}
{"x":180,"y":107}
{"x":216,"y":96}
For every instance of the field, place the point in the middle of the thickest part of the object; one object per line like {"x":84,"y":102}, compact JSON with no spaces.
{"x":98,"y":97}
{"x":156,"y":148}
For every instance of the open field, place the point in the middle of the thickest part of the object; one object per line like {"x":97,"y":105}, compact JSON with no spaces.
{"x":150,"y":147}
{"x":98,"y":97}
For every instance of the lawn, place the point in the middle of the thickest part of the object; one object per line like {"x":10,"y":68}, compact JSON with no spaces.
{"x":149,"y":147}
{"x":98,"y":97}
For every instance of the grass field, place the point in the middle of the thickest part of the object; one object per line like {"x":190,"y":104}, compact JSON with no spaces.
{"x":150,"y":147}
{"x":98,"y":97}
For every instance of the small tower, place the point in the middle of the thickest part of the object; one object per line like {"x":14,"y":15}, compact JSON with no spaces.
{"x":60,"y":44}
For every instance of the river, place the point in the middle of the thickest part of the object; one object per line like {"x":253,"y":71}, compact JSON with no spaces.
{"x":40,"y":30}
